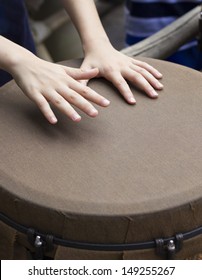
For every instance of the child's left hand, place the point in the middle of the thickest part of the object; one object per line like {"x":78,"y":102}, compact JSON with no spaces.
{"x":119,"y":68}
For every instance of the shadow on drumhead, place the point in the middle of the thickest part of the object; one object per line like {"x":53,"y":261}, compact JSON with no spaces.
{"x":108,"y":90}
{"x":23,"y":115}
{"x":64,"y":130}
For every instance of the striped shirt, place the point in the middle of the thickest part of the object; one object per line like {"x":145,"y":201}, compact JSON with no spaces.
{"x":146,"y":17}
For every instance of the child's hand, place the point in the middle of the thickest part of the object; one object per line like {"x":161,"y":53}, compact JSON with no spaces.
{"x":117,"y":68}
{"x":44,"y":82}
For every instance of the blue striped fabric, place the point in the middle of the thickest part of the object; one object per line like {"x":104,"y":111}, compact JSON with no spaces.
{"x":15,"y":27}
{"x":145,"y":17}
{"x":154,"y":9}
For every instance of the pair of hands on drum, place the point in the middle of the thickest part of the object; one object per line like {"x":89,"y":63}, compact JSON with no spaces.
{"x":47,"y":83}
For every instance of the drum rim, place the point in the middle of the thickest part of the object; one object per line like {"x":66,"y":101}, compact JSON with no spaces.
{"x":165,"y":247}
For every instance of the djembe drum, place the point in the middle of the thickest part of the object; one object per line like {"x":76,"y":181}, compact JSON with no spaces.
{"x":126,"y":185}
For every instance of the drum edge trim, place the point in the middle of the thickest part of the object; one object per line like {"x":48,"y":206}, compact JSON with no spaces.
{"x":166,"y":247}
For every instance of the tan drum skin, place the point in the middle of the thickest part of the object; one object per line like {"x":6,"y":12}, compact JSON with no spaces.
{"x":132,"y":174}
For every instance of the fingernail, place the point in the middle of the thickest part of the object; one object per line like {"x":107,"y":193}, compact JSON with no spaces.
{"x":53,"y":120}
{"x":105,"y":102}
{"x":132,"y":100}
{"x":93,"y":113}
{"x":154,"y":93}
{"x":76,"y":117}
{"x":159,"y":74}
{"x":160,"y":85}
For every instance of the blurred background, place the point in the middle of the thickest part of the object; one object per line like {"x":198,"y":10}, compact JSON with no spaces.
{"x":55,"y":36}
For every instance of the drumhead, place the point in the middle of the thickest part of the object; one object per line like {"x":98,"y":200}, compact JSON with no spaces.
{"x":133,"y":173}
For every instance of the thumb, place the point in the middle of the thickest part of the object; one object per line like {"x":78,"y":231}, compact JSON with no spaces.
{"x":84,"y":82}
{"x":82,"y":74}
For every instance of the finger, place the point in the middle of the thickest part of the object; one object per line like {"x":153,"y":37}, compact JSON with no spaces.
{"x":120,"y":83}
{"x":83,"y":82}
{"x":81,"y":74}
{"x":90,"y":95}
{"x":80,"y":102}
{"x":45,"y":108}
{"x":148,"y":76}
{"x":85,"y":66}
{"x":138,"y":80}
{"x":59,"y":102}
{"x":148,"y":67}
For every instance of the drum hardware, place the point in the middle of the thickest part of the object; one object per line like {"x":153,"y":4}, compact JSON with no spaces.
{"x":38,"y":242}
{"x":42,"y":243}
{"x":169,"y":248}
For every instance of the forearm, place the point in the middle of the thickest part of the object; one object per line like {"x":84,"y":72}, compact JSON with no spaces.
{"x":86,"y":20}
{"x":99,"y":53}
{"x":45,"y":82}
{"x":11,"y":54}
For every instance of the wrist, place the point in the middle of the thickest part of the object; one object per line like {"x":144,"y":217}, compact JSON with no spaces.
{"x":92,"y":44}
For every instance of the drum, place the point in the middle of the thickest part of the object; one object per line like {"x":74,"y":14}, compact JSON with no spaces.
{"x":125,"y":185}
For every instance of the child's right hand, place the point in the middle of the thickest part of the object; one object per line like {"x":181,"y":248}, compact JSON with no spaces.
{"x":45,"y":82}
